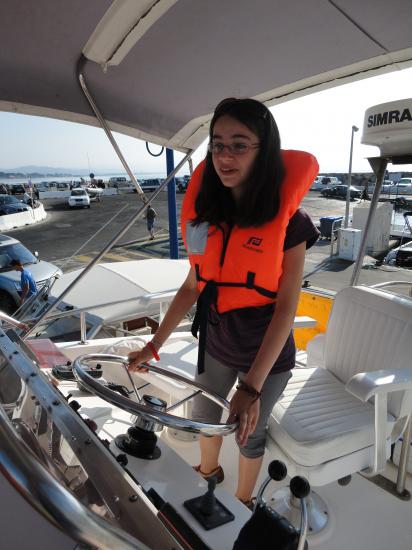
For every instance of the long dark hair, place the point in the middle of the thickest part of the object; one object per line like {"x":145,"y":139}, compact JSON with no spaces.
{"x":260,"y":200}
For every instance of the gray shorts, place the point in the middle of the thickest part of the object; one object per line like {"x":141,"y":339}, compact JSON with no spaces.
{"x":221,"y":379}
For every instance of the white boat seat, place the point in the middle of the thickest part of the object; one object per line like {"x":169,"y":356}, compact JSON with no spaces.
{"x":317,"y":420}
{"x":342,"y":418}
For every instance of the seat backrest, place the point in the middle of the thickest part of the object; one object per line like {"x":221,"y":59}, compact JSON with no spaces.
{"x":369,"y":330}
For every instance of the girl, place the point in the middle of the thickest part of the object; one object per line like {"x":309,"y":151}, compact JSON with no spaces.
{"x":246,"y":239}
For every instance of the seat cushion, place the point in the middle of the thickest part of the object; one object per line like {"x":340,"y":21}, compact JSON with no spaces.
{"x":317,"y":420}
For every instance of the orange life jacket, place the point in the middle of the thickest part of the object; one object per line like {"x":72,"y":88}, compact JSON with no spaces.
{"x":245,"y":263}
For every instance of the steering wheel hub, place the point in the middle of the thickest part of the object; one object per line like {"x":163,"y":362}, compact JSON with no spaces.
{"x":150,"y":425}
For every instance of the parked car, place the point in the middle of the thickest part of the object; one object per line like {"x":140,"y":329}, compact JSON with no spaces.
{"x":387,"y":186}
{"x":182,"y":183}
{"x":402,"y":187}
{"x":79,"y":197}
{"x":150,"y":184}
{"x":61,"y":185}
{"x":10,"y":289}
{"x":42,"y":186}
{"x":322,"y":181}
{"x":11,"y":205}
{"x":117,"y":182}
{"x":340,"y":191}
{"x":17,"y":189}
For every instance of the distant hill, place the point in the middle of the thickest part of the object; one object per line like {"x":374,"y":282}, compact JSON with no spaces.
{"x":40,"y":171}
{"x":32,"y":169}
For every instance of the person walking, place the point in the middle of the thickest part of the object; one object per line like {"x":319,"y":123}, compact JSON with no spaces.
{"x":150,"y":219}
{"x":27,"y":282}
{"x":246,"y":238}
{"x":365,"y":194}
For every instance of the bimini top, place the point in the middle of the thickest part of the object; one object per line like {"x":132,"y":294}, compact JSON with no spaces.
{"x":157,"y":68}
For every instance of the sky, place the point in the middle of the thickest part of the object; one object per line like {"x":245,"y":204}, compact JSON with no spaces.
{"x":320,"y":123}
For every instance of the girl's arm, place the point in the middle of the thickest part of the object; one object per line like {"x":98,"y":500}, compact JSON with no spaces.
{"x":185,"y":297}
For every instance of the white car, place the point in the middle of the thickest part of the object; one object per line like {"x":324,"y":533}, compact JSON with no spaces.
{"x":321,"y":182}
{"x":79,"y":197}
{"x":402,"y":187}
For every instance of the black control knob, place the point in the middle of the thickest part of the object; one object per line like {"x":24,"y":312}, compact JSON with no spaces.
{"x":75,"y":405}
{"x":277,"y":470}
{"x":122,"y":459}
{"x":299,"y":487}
{"x":91,"y":424}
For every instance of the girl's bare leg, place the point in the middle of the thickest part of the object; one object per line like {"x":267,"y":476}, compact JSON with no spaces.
{"x":249,"y":469}
{"x":209,"y":452}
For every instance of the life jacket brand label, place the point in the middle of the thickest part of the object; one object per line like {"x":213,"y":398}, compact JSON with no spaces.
{"x":389,"y":117}
{"x":253,"y":243}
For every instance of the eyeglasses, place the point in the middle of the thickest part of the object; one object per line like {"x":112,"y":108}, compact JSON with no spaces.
{"x":236,"y":148}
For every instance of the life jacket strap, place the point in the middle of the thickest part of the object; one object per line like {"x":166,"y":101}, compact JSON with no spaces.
{"x":207,"y":297}
{"x":249,"y":283}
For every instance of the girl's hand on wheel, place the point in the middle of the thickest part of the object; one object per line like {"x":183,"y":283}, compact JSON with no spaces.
{"x":136,"y":358}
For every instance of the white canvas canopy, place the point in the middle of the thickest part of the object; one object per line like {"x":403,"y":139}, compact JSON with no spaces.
{"x":162,"y":86}
{"x":133,"y":289}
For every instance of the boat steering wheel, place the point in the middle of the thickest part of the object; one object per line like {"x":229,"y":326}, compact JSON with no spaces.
{"x":146,"y":412}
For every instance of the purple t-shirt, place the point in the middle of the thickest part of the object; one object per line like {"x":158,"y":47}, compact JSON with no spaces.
{"x":234,"y":337}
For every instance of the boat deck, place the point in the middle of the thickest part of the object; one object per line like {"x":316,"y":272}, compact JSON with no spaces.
{"x":362,"y":515}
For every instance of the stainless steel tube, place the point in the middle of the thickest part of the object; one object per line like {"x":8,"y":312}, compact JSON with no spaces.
{"x":185,"y":400}
{"x":380,"y":165}
{"x":403,"y":460}
{"x":303,"y":524}
{"x":83,"y":336}
{"x":104,"y":125}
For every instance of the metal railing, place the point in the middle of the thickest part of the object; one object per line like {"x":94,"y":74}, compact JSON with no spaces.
{"x":55,"y":503}
{"x":160,"y":298}
{"x":134,"y":514}
{"x":387,"y":284}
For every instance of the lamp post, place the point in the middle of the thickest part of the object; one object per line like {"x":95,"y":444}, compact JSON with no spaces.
{"x":346,"y":221}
